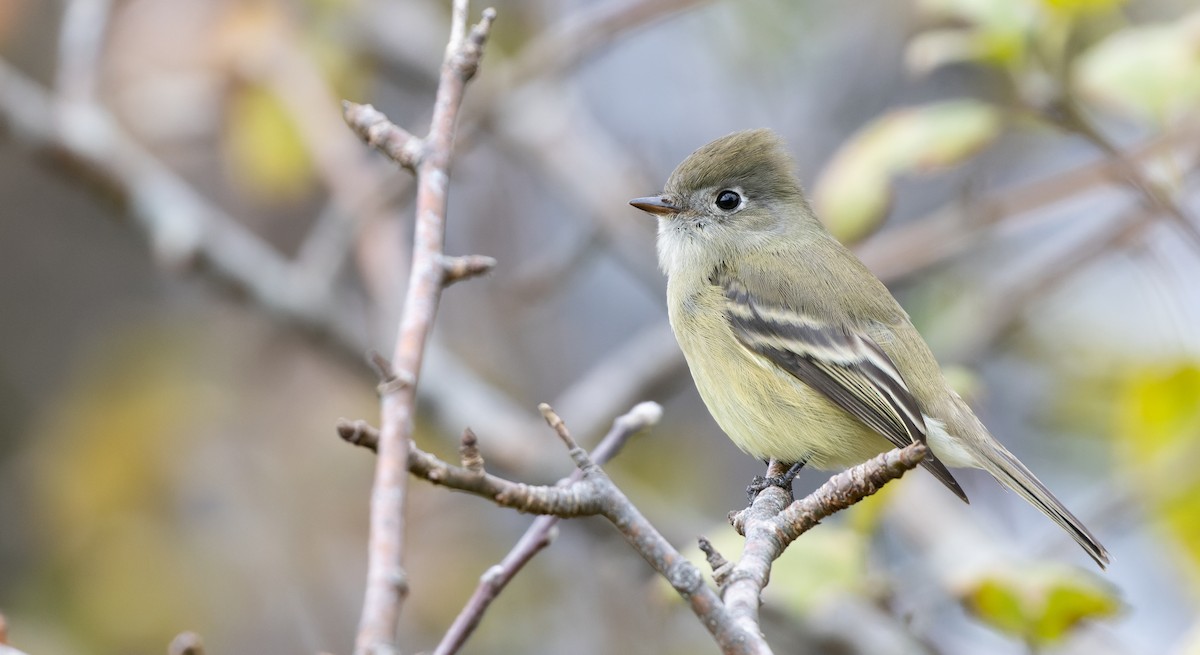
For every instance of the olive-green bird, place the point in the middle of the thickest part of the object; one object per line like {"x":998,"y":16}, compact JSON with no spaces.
{"x":798,"y":350}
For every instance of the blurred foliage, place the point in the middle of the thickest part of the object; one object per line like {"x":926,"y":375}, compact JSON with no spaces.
{"x":1150,"y":73}
{"x":105,"y":483}
{"x":1039,"y":604}
{"x":989,"y":31}
{"x":266,"y":156}
{"x":1146,"y":72}
{"x":1158,"y":436}
{"x":1025,"y":38}
{"x":270,"y":157}
{"x":854,"y":192}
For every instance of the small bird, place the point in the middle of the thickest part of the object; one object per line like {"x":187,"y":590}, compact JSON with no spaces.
{"x":800,"y":353}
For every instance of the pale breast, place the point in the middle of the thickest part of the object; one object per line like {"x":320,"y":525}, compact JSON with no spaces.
{"x":766,"y":411}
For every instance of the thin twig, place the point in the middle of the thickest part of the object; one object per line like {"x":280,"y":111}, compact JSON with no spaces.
{"x":385,"y":588}
{"x":716,"y":561}
{"x":769,"y":524}
{"x":385,"y":136}
{"x":592,"y":494}
{"x":465,"y":267}
{"x":540,"y":533}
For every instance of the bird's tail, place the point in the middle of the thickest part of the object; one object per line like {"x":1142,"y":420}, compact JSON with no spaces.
{"x":1013,"y":474}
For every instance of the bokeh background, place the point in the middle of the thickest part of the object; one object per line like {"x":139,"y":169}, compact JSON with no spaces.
{"x":197,"y":254}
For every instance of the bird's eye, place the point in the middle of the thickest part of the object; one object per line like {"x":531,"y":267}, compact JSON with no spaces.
{"x":728,"y":200}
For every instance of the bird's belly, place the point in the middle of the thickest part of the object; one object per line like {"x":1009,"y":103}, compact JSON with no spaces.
{"x":769,"y":413}
{"x":799,"y":424}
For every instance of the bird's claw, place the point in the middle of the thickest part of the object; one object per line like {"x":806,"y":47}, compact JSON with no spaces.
{"x":761,"y":482}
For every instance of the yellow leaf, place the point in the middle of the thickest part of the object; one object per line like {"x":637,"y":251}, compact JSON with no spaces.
{"x":1158,"y":414}
{"x":1158,"y":433}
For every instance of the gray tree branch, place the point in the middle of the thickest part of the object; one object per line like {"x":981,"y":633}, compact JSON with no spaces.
{"x":430,"y":160}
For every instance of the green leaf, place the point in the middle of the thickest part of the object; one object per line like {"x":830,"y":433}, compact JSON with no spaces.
{"x":854,"y":191}
{"x":1042,"y":604}
{"x":1150,"y":72}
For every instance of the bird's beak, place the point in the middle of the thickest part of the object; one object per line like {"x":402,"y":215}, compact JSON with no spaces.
{"x":656,"y":205}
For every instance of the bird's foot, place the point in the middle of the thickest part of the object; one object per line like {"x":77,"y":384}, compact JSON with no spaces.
{"x":784,"y":482}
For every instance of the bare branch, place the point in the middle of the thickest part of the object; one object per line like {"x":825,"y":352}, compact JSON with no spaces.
{"x":540,"y":534}
{"x":769,"y":526}
{"x":456,"y":269}
{"x":385,"y":572}
{"x":720,"y":566}
{"x":374,"y":128}
{"x":360,"y":433}
{"x":590,"y":493}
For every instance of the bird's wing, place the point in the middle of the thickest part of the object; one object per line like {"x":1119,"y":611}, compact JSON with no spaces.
{"x":843,"y":364}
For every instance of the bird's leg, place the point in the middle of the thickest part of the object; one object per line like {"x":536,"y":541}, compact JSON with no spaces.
{"x":784,"y":481}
